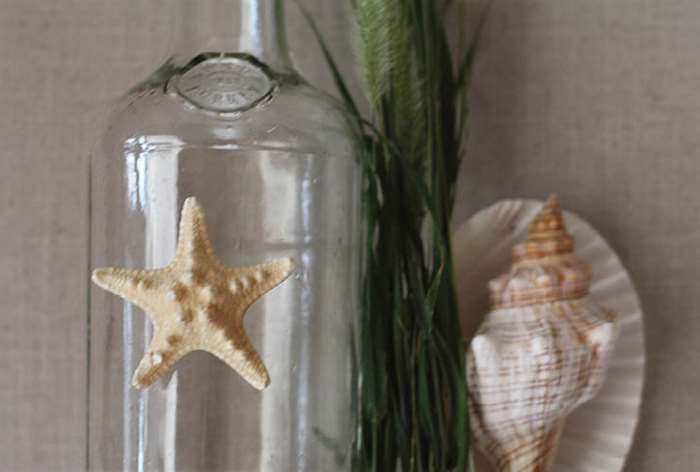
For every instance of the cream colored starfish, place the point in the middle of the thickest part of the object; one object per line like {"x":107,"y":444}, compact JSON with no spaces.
{"x":196,"y":303}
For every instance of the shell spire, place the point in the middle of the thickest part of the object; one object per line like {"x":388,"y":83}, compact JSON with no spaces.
{"x":547,"y":235}
{"x":545,"y":268}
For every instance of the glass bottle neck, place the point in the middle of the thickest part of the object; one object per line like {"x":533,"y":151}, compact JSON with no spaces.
{"x":254,"y":27}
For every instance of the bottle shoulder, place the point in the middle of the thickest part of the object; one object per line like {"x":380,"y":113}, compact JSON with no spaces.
{"x":293,"y":115}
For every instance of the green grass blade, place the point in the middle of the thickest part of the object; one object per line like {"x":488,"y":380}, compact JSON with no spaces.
{"x":338,"y":79}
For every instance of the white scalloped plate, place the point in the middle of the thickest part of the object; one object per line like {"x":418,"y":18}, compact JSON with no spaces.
{"x":598,"y":435}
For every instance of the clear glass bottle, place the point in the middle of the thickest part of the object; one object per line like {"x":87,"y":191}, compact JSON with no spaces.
{"x":227,"y":119}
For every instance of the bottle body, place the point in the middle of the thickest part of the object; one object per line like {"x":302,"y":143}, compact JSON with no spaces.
{"x":272,"y":162}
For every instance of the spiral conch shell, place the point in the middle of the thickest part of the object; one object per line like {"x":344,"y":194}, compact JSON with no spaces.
{"x":541,"y":351}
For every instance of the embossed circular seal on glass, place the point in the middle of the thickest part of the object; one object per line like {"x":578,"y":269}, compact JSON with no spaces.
{"x":224,"y":84}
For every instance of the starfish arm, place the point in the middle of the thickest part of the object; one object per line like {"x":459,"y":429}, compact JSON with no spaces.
{"x":163,"y":352}
{"x":136,"y":286}
{"x":241,"y":356}
{"x":193,"y":240}
{"x":253,"y":282}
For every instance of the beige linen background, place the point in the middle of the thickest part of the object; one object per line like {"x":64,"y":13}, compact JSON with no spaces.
{"x":598,"y":100}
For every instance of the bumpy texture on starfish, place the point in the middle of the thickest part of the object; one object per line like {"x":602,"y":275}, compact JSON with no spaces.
{"x":196,"y":303}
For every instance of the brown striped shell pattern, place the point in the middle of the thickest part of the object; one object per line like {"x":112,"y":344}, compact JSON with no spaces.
{"x":541,"y":352}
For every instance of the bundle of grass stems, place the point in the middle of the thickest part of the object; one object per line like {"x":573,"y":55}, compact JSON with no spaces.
{"x":411,"y":394}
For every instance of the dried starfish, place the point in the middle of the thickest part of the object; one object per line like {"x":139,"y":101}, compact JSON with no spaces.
{"x":196,"y":303}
